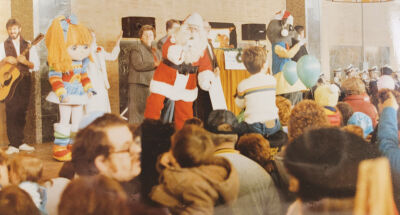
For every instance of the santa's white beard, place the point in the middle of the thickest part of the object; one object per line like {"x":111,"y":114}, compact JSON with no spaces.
{"x":194,"y":44}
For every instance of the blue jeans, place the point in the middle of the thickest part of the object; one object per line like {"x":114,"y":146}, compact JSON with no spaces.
{"x":262,"y":129}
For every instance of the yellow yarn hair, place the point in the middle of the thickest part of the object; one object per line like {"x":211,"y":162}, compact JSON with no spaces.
{"x":58,"y":57}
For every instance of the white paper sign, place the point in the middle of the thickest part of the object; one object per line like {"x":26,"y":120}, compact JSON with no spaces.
{"x":217,"y":95}
{"x":231,"y":61}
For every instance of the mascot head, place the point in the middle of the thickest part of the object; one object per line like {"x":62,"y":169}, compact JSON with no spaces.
{"x":193,"y":37}
{"x":280,"y":29}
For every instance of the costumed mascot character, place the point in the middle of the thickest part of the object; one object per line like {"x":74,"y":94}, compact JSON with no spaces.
{"x":280,"y":34}
{"x":175,"y":78}
{"x":68,"y":46}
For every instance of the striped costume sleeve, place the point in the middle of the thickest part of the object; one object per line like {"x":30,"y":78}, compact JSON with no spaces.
{"x":55,"y":79}
{"x":87,"y":85}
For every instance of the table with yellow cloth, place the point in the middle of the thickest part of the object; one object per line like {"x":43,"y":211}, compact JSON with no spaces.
{"x":229,"y":80}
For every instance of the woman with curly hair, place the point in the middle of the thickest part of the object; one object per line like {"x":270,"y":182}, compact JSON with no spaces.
{"x":306,"y":114}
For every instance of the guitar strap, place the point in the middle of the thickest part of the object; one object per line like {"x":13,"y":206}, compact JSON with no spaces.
{"x":10,"y":51}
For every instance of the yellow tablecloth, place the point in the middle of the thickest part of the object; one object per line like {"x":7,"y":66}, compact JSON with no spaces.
{"x":229,"y":80}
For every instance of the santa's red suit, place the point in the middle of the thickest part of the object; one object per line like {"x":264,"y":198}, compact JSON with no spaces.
{"x":170,"y":81}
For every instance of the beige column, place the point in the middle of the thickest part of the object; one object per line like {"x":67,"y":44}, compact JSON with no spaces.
{"x":5,"y":14}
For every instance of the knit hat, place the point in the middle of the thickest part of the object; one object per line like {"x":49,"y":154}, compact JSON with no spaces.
{"x":362,"y":120}
{"x":194,"y":19}
{"x":386,"y":82}
{"x":325,"y":162}
{"x":218,"y":118}
{"x":327,"y":95}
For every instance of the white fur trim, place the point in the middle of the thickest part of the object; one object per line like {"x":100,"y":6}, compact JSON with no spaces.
{"x":206,"y":78}
{"x":175,"y":54}
{"x":194,"y":19}
{"x":174,"y":93}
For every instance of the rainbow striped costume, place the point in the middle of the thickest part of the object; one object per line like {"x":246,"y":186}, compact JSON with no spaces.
{"x":73,"y":84}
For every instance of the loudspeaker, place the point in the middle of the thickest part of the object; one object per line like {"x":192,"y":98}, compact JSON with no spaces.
{"x":254,"y":32}
{"x":132,"y":24}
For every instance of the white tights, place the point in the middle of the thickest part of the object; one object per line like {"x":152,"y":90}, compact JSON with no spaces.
{"x":71,"y":113}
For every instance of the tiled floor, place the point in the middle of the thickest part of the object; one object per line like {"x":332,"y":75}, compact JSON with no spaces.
{"x":51,"y":166}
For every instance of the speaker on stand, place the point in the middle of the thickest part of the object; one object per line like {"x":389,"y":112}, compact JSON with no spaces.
{"x":254,"y":31}
{"x":132,"y":24}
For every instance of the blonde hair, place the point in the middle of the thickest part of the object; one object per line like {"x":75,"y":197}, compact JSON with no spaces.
{"x":24,"y":167}
{"x":353,"y":86}
{"x":58,"y":57}
{"x":355,"y":129}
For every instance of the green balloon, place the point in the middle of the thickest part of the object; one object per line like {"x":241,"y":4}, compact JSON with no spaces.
{"x":290,"y":72}
{"x":308,"y":70}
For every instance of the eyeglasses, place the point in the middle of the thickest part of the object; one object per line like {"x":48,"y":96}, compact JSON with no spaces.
{"x":131,"y":148}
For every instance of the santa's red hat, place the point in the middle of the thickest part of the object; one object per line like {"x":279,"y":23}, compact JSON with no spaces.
{"x":284,"y":14}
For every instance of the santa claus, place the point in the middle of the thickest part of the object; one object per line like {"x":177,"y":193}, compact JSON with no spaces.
{"x":176,"y":76}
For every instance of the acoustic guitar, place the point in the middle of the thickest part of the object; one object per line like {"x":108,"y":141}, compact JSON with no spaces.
{"x":10,"y":75}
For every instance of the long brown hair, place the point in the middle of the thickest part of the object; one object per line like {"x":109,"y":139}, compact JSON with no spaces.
{"x":100,"y":195}
{"x":14,"y":200}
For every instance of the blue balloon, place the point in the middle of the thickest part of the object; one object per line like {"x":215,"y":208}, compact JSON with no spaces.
{"x":290,"y":72}
{"x":308,"y":70}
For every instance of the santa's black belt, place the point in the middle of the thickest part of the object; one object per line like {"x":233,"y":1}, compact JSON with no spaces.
{"x":183,"y":68}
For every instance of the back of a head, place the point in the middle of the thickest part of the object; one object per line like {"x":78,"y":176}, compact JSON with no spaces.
{"x":24,"y":167}
{"x":327,"y":95}
{"x":192,"y":146}
{"x":278,"y":139}
{"x":255,"y":147}
{"x":353,"y":86}
{"x":93,"y":195}
{"x":156,"y":139}
{"x":346,"y":110}
{"x":92,"y":141}
{"x":306,"y":114}
{"x":194,"y":121}
{"x":14,"y":200}
{"x":355,"y":129}
{"x":325,"y":162}
{"x":222,"y":122}
{"x":254,"y":59}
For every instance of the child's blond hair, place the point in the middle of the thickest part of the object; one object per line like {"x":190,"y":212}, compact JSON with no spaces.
{"x":58,"y":57}
{"x":24,"y":167}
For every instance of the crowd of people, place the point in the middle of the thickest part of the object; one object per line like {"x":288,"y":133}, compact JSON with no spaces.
{"x":334,"y":152}
{"x":223,"y":166}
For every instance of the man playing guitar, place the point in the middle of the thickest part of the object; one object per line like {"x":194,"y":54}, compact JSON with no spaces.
{"x":17,"y":106}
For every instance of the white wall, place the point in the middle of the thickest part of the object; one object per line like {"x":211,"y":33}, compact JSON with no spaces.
{"x":341,"y":26}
